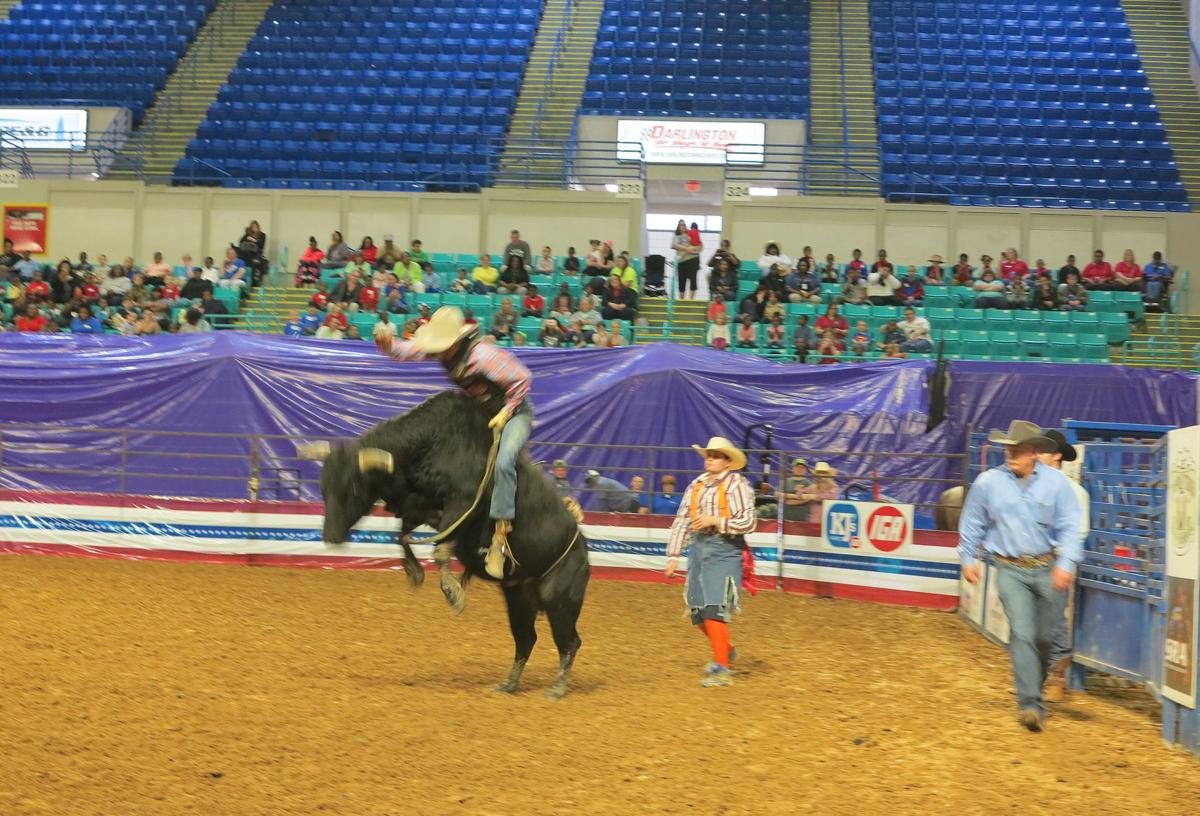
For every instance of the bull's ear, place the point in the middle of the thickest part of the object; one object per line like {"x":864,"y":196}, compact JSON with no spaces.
{"x":376,"y":459}
{"x":314,"y":451}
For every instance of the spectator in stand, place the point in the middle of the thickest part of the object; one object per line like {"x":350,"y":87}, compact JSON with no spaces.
{"x":934,"y":274}
{"x":485,"y":276}
{"x":158,"y":271}
{"x":418,"y":254}
{"x":804,"y":339}
{"x":829,"y":350}
{"x":687,"y":260}
{"x":723,"y":282}
{"x":194,"y":323}
{"x":882,"y":283}
{"x":335,"y":324}
{"x":368,"y":298}
{"x":771,"y":256}
{"x":860,"y":340}
{"x":320,"y":297}
{"x":309,"y":268}
{"x":776,"y":281}
{"x":747,"y":333}
{"x":293,"y":328}
{"x":609,"y":495}
{"x":1011,"y":266}
{"x":1045,"y":297}
{"x":626,"y":273}
{"x":989,"y":292}
{"x":1128,"y":275}
{"x":31,"y":320}
{"x":533,"y":305}
{"x":433,"y":281}
{"x":209,"y":272}
{"x":462,"y":283}
{"x":26,"y":265}
{"x":725,"y":253}
{"x":806,"y":254}
{"x":1099,"y":273}
{"x":776,"y":332}
{"x":600,"y":263}
{"x":561,"y":309}
{"x":545,"y":262}
{"x":9,"y":257}
{"x":65,"y":285}
{"x":213,"y":308}
{"x":963,"y":273}
{"x":252,"y":250}
{"x":834,"y":322}
{"x":793,"y":485}
{"x":383,"y":328}
{"x":352,"y":333}
{"x":551,"y":334}
{"x":389,"y":253}
{"x":911,"y":291}
{"x":1067,"y":269}
{"x":504,"y":321}
{"x":620,"y":302}
{"x":141,"y":294}
{"x":1072,"y":295}
{"x":168,"y":294}
{"x":916,"y":333}
{"x":337,"y":254}
{"x":233,"y":271}
{"x":124,"y":318}
{"x":514,"y":277}
{"x":1017,"y":294}
{"x":368,"y":250}
{"x":828,"y":273}
{"x":600,"y":338}
{"x":802,"y":286}
{"x":774,"y":307}
{"x":718,"y":332}
{"x":1040,"y":270}
{"x":117,"y":284}
{"x":193,"y":289}
{"x":854,"y":291}
{"x":517,"y":248}
{"x":857,"y":263}
{"x":588,"y":317}
{"x":1158,"y":275}
{"x":824,"y":487}
{"x":571,"y":262}
{"x":666,"y":501}
{"x":985,"y":265}
{"x":574,"y":335}
{"x":38,"y":291}
{"x":310,"y":321}
{"x":148,"y":324}
{"x":83,"y":267}
{"x":753,"y":304}
{"x":716,"y":306}
{"x":347,"y":291}
{"x":891,"y":337}
{"x":616,"y":333}
{"x":357,"y":264}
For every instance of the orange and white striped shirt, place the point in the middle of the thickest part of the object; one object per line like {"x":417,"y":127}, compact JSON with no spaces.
{"x":739,"y":497}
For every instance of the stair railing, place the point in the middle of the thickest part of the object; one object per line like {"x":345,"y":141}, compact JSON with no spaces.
{"x":556,"y":52}
{"x":842,"y":72}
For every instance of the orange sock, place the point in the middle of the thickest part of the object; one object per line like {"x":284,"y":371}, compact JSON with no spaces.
{"x":718,"y":636}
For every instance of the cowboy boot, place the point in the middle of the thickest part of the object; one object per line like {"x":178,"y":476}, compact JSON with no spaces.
{"x":494,"y":561}
{"x":1055,"y":689}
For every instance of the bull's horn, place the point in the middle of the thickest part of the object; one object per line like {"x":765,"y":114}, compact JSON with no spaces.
{"x":314,"y":451}
{"x":376,"y":459}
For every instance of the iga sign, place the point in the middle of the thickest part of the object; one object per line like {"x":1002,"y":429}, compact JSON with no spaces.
{"x":46,"y":128}
{"x":694,"y":141}
{"x":871,"y":527}
{"x":26,"y":225}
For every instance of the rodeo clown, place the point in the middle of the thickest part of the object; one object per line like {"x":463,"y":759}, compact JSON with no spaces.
{"x":498,"y":380}
{"x":715,"y":513}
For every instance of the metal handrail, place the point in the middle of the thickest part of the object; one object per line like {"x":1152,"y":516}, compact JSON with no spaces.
{"x":556,"y":51}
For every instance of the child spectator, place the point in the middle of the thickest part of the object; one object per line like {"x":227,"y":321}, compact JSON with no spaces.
{"x":860,"y":341}
{"x":91,"y":289}
{"x":504,"y":320}
{"x":829,"y":270}
{"x":854,"y":291}
{"x":193,"y":322}
{"x":311,"y":321}
{"x":125,"y":317}
{"x":519,"y":339}
{"x":693,"y":235}
{"x":963,"y":273}
{"x":773,"y":307}
{"x":38,"y":290}
{"x":1044,"y":295}
{"x":169,"y":292}
{"x":1017,"y":294}
{"x":551,"y":335}
{"x":545,"y":264}
{"x":571,"y":262}
{"x":829,"y":350}
{"x":335,"y":324}
{"x":716,"y":307}
{"x":934,"y":276}
{"x":320,"y":298}
{"x":352,"y":333}
{"x":891,"y":335}
{"x":461,"y":283}
{"x":747,"y":333}
{"x":534,"y":304}
{"x":384,"y":327}
{"x":600,"y":336}
{"x":562,"y":309}
{"x":616,"y":333}
{"x":775,"y":332}
{"x":911,"y":291}
{"x":857,"y":263}
{"x":1072,"y":295}
{"x":574,"y":335}
{"x":31,"y":321}
{"x":368,"y":298}
{"x":293,"y":328}
{"x":718,"y":329}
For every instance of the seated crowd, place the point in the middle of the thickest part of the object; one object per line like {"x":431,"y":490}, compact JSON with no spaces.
{"x":123,"y":298}
{"x":390,"y":283}
{"x":1013,"y":284}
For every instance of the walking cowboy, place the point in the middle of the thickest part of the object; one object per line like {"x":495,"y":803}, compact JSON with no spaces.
{"x":498,"y":380}
{"x":715,"y":513}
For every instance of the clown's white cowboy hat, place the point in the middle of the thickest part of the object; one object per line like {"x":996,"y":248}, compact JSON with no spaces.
{"x":719,"y":444}
{"x":443,"y":330}
{"x":1021,"y":432}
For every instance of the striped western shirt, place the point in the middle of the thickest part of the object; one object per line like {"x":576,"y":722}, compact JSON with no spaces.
{"x":485,"y":360}
{"x":739,"y":496}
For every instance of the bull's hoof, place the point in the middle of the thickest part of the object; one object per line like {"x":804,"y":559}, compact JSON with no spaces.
{"x":454,"y":594}
{"x":557,"y":691}
{"x":415,"y":573}
{"x":507,"y":687}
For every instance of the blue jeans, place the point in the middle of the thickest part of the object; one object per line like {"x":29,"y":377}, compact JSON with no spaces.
{"x":482,"y":288}
{"x":1060,"y":646}
{"x":1035,"y":610}
{"x":922,"y":346}
{"x":512,"y":440}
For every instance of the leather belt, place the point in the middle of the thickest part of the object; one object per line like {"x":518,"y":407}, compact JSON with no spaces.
{"x":1027,"y":561}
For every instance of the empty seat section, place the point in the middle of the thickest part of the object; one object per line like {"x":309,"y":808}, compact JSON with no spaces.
{"x":1007,"y":104}
{"x":358,"y":94}
{"x":710,"y":58}
{"x":112,"y":54}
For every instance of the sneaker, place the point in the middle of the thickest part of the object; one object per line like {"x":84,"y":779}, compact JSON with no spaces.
{"x":719,"y":676}
{"x":1031,"y":718}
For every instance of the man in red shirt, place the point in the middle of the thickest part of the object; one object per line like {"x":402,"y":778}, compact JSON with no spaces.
{"x":1011,"y":266}
{"x":533,"y":304}
{"x":1099,"y":273}
{"x":31,"y":321}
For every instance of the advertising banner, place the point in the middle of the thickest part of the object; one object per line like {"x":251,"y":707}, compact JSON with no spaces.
{"x":870,"y":527}
{"x":694,"y":141}
{"x":1183,"y":566}
{"x":28,"y":226}
{"x":46,"y":128}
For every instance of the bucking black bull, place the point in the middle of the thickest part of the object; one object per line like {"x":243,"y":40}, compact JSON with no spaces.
{"x":429,"y":463}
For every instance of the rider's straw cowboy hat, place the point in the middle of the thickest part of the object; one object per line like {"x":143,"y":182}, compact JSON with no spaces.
{"x":719,"y":444}
{"x":443,"y":330}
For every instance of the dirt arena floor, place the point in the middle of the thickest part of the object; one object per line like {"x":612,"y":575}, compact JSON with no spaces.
{"x":137,"y":689}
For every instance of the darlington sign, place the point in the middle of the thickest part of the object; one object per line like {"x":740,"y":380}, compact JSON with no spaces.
{"x":46,"y":128}
{"x":690,"y":142}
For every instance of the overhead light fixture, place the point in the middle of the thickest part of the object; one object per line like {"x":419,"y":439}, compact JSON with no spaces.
{"x":612,"y":188}
{"x":764,"y":191}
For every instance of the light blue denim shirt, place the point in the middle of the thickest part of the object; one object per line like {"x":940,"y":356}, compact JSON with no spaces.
{"x":1009,"y":517}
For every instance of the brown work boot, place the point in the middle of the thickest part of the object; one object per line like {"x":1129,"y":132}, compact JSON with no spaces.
{"x":494,"y":561}
{"x":1031,"y":718}
{"x":1055,"y":689}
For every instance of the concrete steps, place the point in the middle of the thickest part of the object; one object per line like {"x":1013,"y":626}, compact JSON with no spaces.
{"x":5,"y":7}
{"x":681,"y":321}
{"x":1172,"y":341}
{"x":1160,"y":28}
{"x":183,"y":103}
{"x":557,"y":89}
